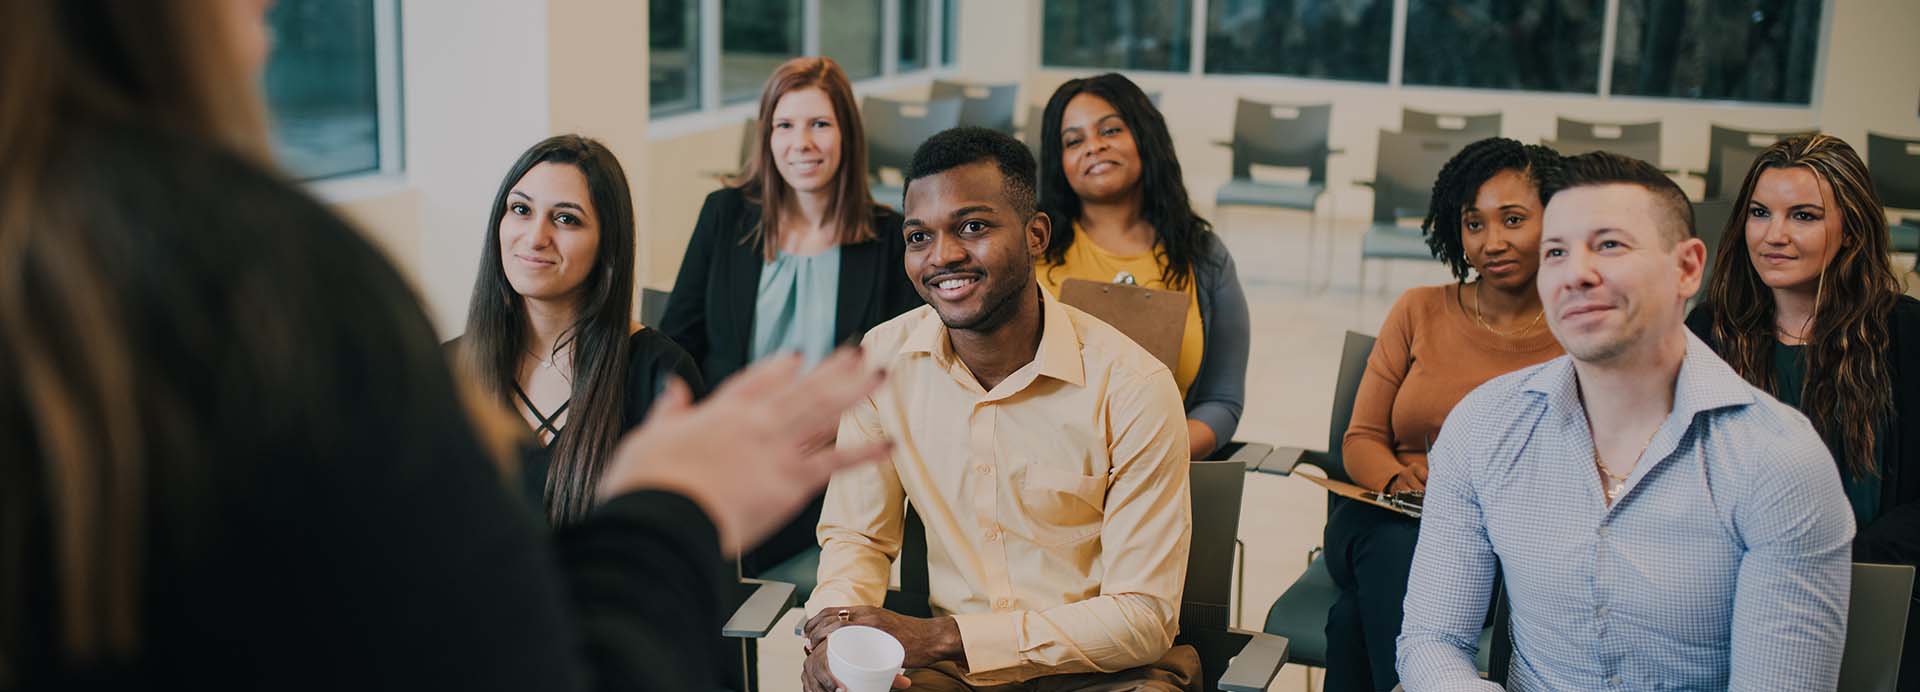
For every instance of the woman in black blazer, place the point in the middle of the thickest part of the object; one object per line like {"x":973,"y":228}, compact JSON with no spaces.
{"x":795,"y":239}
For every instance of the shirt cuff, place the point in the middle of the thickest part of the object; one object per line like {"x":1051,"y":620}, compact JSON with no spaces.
{"x":991,"y":641}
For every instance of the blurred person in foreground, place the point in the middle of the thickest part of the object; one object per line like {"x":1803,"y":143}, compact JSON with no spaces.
{"x":231,"y":454}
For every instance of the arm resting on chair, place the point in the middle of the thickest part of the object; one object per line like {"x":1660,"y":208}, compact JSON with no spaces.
{"x":1256,"y":665}
{"x":762,"y":609}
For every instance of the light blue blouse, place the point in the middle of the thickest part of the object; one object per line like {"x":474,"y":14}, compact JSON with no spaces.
{"x":796,"y":305}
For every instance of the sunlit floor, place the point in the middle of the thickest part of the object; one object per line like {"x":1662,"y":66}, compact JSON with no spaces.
{"x":1295,"y":351}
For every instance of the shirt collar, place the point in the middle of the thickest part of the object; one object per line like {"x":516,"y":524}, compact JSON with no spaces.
{"x":1058,"y":356}
{"x":1705,"y":383}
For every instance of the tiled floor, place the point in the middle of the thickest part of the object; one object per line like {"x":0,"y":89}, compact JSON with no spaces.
{"x":1295,"y":348}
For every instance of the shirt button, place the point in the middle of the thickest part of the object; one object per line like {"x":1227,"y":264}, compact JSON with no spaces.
{"x":1613,"y":680}
{"x":1602,"y":612}
{"x":993,"y":535}
{"x":1603,"y":532}
{"x":984,"y":469}
{"x":1003,"y":604}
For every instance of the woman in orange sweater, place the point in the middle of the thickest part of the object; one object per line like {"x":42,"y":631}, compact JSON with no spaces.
{"x":1438,"y":344}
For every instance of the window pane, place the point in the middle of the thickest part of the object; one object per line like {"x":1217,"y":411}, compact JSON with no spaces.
{"x":1328,"y":39}
{"x":1117,"y":34}
{"x":951,"y":31}
{"x":850,"y":34}
{"x":1743,"y":50}
{"x":1536,"y":45}
{"x":321,"y":88}
{"x":673,"y":56}
{"x":755,"y":37}
{"x":913,"y":34}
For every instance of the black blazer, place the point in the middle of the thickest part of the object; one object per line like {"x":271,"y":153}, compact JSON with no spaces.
{"x":1895,"y":536}
{"x":711,"y":311}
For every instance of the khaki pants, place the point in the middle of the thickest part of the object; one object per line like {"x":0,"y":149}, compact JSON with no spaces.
{"x":1178,"y":671}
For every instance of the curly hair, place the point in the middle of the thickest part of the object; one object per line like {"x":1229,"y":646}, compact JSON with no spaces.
{"x":1183,"y":235}
{"x":1846,"y":393}
{"x":1460,"y":180}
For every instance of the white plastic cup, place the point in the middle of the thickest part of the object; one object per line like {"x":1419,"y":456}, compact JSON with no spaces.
{"x":864,"y":659}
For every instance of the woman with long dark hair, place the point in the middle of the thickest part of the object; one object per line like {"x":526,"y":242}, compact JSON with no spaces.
{"x":549,"y":329}
{"x":232,"y":456}
{"x":1804,"y":303}
{"x":794,"y":255}
{"x":1112,"y":184}
{"x":1438,"y":343}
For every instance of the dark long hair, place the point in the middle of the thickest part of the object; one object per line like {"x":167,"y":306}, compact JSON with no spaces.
{"x":1183,"y":237}
{"x":850,"y":208}
{"x":1847,"y":391}
{"x":1460,"y":180}
{"x":73,"y":442}
{"x":497,"y":329}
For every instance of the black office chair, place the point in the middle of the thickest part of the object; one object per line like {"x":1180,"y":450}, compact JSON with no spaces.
{"x":1231,"y":660}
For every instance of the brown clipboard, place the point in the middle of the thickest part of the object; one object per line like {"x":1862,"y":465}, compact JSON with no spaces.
{"x":1153,"y":318}
{"x":1354,"y":492}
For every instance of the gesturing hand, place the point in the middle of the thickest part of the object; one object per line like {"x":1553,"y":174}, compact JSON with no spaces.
{"x":750,"y":454}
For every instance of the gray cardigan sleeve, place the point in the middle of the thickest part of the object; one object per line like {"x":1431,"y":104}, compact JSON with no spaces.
{"x":1219,"y":391}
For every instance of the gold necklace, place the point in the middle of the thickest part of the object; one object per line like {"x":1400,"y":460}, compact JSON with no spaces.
{"x":1612,"y":490}
{"x":1481,"y":317}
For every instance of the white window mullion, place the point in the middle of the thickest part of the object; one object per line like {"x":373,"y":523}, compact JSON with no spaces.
{"x":1609,"y":32}
{"x":1198,"y":54}
{"x":387,"y":86}
{"x":810,"y":27}
{"x":889,"y":37}
{"x":1397,"y":53}
{"x":936,"y":42}
{"x":709,"y":55}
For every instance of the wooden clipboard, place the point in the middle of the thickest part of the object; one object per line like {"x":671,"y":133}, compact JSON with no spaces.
{"x":1354,"y":492}
{"x":1153,"y":318}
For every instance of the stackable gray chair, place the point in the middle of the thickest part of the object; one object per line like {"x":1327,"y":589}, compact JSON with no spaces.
{"x":1478,"y":126}
{"x":1731,"y":151}
{"x":1030,"y":130}
{"x":1895,"y":165}
{"x":1286,"y":136}
{"x":981,"y":105}
{"x":1405,"y":168}
{"x":894,"y":130}
{"x":1638,"y":140}
{"x":1876,"y":627}
{"x":1300,"y":613}
{"x":1710,"y":223}
{"x":1231,"y":660}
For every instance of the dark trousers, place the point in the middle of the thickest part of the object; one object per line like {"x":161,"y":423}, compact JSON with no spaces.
{"x":1369,"y":553}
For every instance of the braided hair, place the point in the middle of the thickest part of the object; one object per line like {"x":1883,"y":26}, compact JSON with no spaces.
{"x":1460,"y":181}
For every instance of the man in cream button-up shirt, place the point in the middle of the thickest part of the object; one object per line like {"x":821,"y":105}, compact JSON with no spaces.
{"x":1044,"y":450}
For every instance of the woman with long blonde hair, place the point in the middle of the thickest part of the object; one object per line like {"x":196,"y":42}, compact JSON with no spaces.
{"x":1804,"y":303}
{"x":231,"y":454}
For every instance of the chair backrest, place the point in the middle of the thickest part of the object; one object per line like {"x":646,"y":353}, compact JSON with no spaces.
{"x":1216,"y":491}
{"x":1648,"y":151}
{"x":1710,"y":223}
{"x":1730,"y":151}
{"x":749,"y":139}
{"x":1478,"y":126}
{"x":1030,"y":131}
{"x":1404,"y":170}
{"x":1876,"y":627}
{"x":653,"y":305}
{"x":981,"y":105}
{"x":1895,"y":165}
{"x":1568,"y":128}
{"x":896,"y":128}
{"x":1271,"y":134}
{"x":1353,"y":364}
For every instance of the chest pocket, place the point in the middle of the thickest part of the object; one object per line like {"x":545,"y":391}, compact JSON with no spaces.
{"x":1062,"y":507}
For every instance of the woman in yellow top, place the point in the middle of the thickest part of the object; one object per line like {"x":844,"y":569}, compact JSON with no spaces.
{"x":1111,"y":183}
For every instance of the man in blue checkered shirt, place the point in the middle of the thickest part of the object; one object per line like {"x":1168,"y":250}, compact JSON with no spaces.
{"x":1659,"y":522}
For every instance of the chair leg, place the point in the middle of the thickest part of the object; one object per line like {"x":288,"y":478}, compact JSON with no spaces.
{"x":1313,"y":230}
{"x":1240,"y":579}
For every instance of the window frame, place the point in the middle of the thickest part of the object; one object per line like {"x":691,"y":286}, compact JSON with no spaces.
{"x":1396,"y":63}
{"x":389,"y":115}
{"x":714,"y":111}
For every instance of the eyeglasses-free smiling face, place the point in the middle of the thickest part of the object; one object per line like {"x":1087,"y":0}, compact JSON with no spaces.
{"x":805,"y":141}
{"x":969,"y":254}
{"x":1609,"y":280}
{"x":1793,"y":228}
{"x":1097,"y":150}
{"x":549,"y":235}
